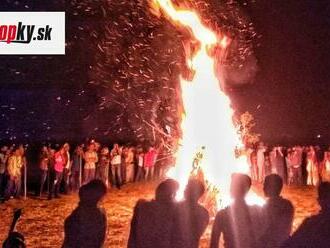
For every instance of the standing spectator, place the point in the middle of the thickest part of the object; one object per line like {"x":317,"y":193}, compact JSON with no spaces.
{"x":278,"y":161}
{"x":289,"y":165}
{"x":103,"y":166}
{"x":312,"y":167}
{"x":278,"y":213}
{"x":51,"y":172}
{"x":4,"y":154}
{"x":76,"y":169}
{"x":129,"y":161}
{"x":326,"y":167}
{"x":239,"y":223}
{"x":67,"y":168}
{"x":116,"y":166}
{"x":22,"y":150}
{"x":304,"y":165}
{"x":254,"y":166}
{"x":191,"y":218}
{"x":43,"y":165}
{"x":319,"y":154}
{"x":59,"y":164}
{"x":268,"y":166}
{"x":91,"y":159}
{"x":272,"y":158}
{"x":86,"y":226}
{"x":261,"y":162}
{"x":15,"y":164}
{"x":140,"y":160}
{"x":149,"y":162}
{"x":123,"y":164}
{"x":296,"y":162}
{"x":97,"y":149}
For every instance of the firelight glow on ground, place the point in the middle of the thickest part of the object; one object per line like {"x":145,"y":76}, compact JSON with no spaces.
{"x":42,"y":222}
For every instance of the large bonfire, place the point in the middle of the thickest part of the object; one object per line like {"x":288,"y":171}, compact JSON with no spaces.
{"x":209,"y":142}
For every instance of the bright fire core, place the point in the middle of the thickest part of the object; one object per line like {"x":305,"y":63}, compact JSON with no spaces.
{"x":207,"y":124}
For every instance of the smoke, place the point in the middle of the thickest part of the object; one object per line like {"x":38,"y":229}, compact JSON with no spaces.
{"x":235,"y":76}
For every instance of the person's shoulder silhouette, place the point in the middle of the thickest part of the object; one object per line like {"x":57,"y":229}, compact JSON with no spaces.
{"x":86,"y":225}
{"x":239,"y":223}
{"x":191,"y":218}
{"x":314,"y":232}
{"x":15,"y":240}
{"x":277,"y":213}
{"x":152,"y":221}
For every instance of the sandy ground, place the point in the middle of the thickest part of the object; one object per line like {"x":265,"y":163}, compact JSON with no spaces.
{"x":42,"y":220}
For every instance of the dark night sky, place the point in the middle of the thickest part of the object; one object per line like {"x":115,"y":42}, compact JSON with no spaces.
{"x":288,"y":96}
{"x":293,"y":82}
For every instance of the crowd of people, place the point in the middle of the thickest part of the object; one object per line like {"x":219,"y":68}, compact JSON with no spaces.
{"x":295,"y":165}
{"x":62,"y":171}
{"x":166,"y":223}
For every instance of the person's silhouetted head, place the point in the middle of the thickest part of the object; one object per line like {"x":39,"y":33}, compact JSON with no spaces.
{"x":166,"y":190}
{"x":194,"y":190}
{"x":324,"y":196}
{"x":240,"y":185}
{"x":273,"y":185}
{"x":92,"y":192}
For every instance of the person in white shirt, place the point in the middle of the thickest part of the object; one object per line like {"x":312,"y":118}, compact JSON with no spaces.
{"x":140,"y":158}
{"x":91,"y":159}
{"x":312,"y":168}
{"x":129,"y":161}
{"x":326,"y":167}
{"x":116,"y":153}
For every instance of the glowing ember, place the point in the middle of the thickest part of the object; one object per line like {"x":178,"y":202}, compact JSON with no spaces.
{"x":209,"y":136}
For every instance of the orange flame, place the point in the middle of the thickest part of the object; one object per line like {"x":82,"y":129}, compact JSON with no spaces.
{"x":207,"y":119}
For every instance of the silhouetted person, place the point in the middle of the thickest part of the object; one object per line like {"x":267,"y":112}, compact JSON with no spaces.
{"x":87,"y":224}
{"x":15,"y":240}
{"x":153,"y":221}
{"x":277,"y":213}
{"x":314,"y":232}
{"x":191,"y":218}
{"x":239,"y":223}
